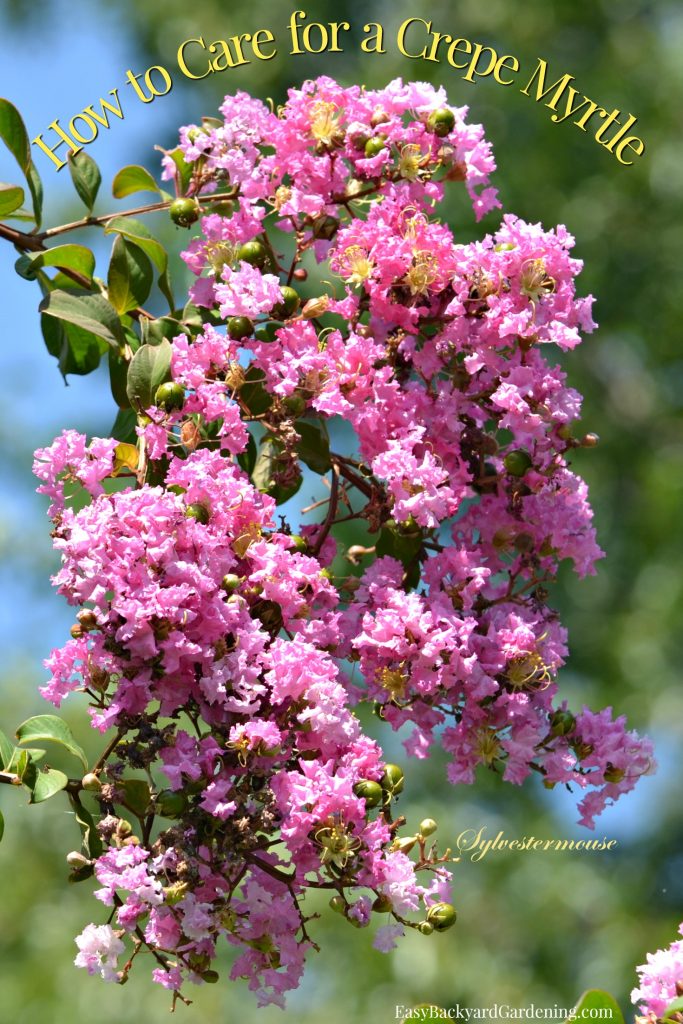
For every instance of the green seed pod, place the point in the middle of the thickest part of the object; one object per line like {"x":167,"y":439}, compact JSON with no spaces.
{"x":562,"y":723}
{"x":91,"y":783}
{"x":184,"y":211}
{"x":374,"y":145}
{"x":289,"y":305}
{"x":169,"y":396}
{"x":252,"y":252}
{"x":224,"y":208}
{"x":239,"y":327}
{"x":425,"y":928}
{"x":382,"y":905}
{"x":441,"y":122}
{"x":369,"y":791}
{"x":517,"y":462}
{"x":210,"y":977}
{"x":170,"y":803}
{"x":441,"y":916}
{"x":198,"y":511}
{"x":392,"y":778}
{"x":428,"y":827}
{"x":338,"y":904}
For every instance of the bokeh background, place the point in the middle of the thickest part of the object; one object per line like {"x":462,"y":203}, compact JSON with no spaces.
{"x":532,"y":927}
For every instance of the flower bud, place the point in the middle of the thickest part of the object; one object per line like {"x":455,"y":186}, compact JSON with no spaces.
{"x":184,"y":211}
{"x":170,"y":803}
{"x":613,"y":774}
{"x":230,"y":582}
{"x":517,"y":462}
{"x":441,"y":122}
{"x":210,"y":977}
{"x":382,"y":905}
{"x":300,"y":274}
{"x":404,"y":844}
{"x":392,"y":779}
{"x":169,"y":396}
{"x":442,"y":916}
{"x":425,"y":928}
{"x":124,"y":828}
{"x":428,"y":827}
{"x":338,"y":904}
{"x":374,"y":145}
{"x":198,"y":511}
{"x":91,"y":782}
{"x":289,"y":305}
{"x":87,"y":619}
{"x":369,"y":791}
{"x":77,"y":860}
{"x":253,"y":253}
{"x":174,"y":893}
{"x":589,"y":441}
{"x":315,"y":307}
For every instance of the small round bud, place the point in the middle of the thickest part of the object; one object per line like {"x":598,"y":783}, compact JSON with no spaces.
{"x":239,"y":327}
{"x":441,"y":122}
{"x":289,"y":305}
{"x":338,"y":904}
{"x":300,"y":274}
{"x":210,"y":977}
{"x":77,"y":631}
{"x":87,"y":619}
{"x":169,"y":396}
{"x":517,"y":462}
{"x":562,"y":722}
{"x":379,"y":116}
{"x":224,"y":208}
{"x":428,"y":827}
{"x":91,"y":783}
{"x":198,"y":511}
{"x":315,"y":307}
{"x":441,"y":916}
{"x":369,"y":791}
{"x":392,"y":778}
{"x":252,"y":252}
{"x":589,"y":441}
{"x":295,"y":404}
{"x":300,"y":543}
{"x":425,"y":928}
{"x":382,"y":905}
{"x":230,"y":582}
{"x":77,"y":860}
{"x":374,"y":146}
{"x":184,"y":211}
{"x":124,"y":828}
{"x":613,"y":774}
{"x":170,"y":803}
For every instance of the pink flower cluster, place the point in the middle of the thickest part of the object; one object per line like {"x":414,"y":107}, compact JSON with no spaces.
{"x":228,"y":653}
{"x":661,"y":981}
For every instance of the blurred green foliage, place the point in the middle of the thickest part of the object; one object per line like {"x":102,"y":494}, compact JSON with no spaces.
{"x":532,"y":927}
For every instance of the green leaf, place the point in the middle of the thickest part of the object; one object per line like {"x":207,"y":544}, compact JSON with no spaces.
{"x":404,"y":547}
{"x":163,"y":327}
{"x":596,"y":999}
{"x":35,"y":186}
{"x":149,"y":367}
{"x":270,"y":453}
{"x":133,"y":179}
{"x":90,"y":313}
{"x":6,"y":750}
{"x":129,"y":279}
{"x":2,"y":826}
{"x":166,"y":288}
{"x":674,"y":1007}
{"x":69,"y":257}
{"x":46,"y":784}
{"x":86,"y":177}
{"x":253,"y":394}
{"x":92,"y":844}
{"x":118,"y":377}
{"x":137,"y":233}
{"x":314,"y":446}
{"x":78,"y":351}
{"x":13,"y":134}
{"x":247,"y":459}
{"x":11,"y":198}
{"x":137,"y":797}
{"x":184,"y":170}
{"x":124,"y":426}
{"x":50,"y":727}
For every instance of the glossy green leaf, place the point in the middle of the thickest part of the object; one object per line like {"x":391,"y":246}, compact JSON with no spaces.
{"x":133,"y":179}
{"x":314,"y":446}
{"x":11,"y":198}
{"x":50,"y":727}
{"x":247,"y":459}
{"x":86,"y":177}
{"x":253,"y":394}
{"x":149,"y":367}
{"x":184,"y":170}
{"x":124,"y":426}
{"x":269,"y":455}
{"x":2,"y":826}
{"x":129,"y":279}
{"x":91,"y":313}
{"x":35,"y":186}
{"x":404,"y":547}
{"x":92,"y":844}
{"x":164,"y":327}
{"x":6,"y":750}
{"x":46,"y":784}
{"x":69,"y":257}
{"x":77,"y":351}
{"x":137,"y":233}
{"x":596,"y":999}
{"x":118,"y":378}
{"x":13,"y":134}
{"x":137,"y":797}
